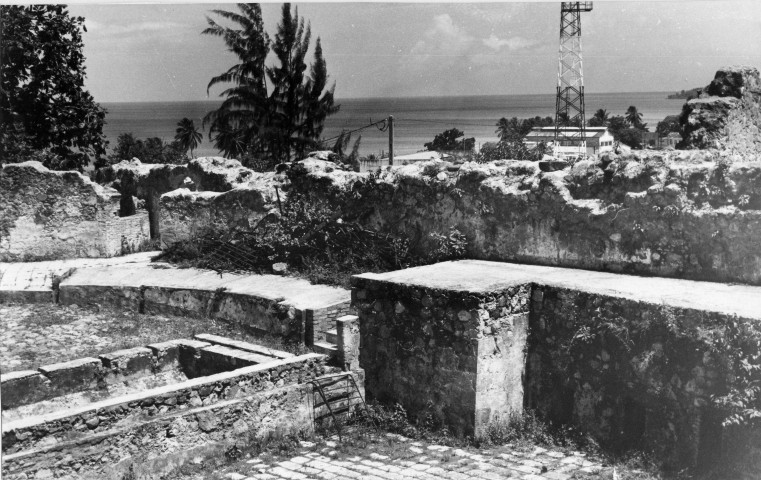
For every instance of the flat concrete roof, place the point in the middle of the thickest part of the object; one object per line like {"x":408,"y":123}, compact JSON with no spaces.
{"x":479,"y":276}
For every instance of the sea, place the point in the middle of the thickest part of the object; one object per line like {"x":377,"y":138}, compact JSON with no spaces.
{"x":416,"y":119}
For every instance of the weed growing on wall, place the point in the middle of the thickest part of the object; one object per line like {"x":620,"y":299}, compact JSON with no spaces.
{"x":315,"y":239}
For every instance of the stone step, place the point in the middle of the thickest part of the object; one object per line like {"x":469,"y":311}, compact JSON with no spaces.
{"x":239,"y":345}
{"x":331,"y":336}
{"x":325,"y":348}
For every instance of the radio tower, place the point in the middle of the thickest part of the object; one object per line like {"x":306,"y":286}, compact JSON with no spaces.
{"x":569,"y":104}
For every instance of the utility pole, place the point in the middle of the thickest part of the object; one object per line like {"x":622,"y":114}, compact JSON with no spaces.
{"x":390,"y":139}
{"x":569,"y":103}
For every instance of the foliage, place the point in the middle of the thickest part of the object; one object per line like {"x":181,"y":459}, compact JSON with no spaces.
{"x":668,"y":125}
{"x":187,"y":135}
{"x":150,"y":150}
{"x":270,"y":122}
{"x":599,"y":119}
{"x":514,"y":129}
{"x":43,"y":105}
{"x":341,"y":147}
{"x":316,"y":240}
{"x":631,"y":137}
{"x":447,"y":141}
{"x":619,"y":127}
{"x":512,"y":150}
{"x":634,"y":118}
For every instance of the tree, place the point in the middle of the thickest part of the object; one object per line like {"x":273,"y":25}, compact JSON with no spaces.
{"x":599,"y":119}
{"x":634,"y":118}
{"x":277,"y":119}
{"x":510,"y":130}
{"x":187,"y":135}
{"x":150,"y":150}
{"x":668,"y":125}
{"x":447,"y":142}
{"x":43,"y":104}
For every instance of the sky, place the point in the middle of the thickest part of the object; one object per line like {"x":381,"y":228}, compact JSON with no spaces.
{"x":156,"y":52}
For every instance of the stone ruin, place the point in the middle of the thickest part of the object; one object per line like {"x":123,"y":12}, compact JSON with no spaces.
{"x":727,"y":113}
{"x":151,"y":409}
{"x":631,"y":360}
{"x":53,"y":215}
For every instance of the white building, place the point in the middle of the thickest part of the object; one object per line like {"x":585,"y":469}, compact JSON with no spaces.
{"x":599,"y":140}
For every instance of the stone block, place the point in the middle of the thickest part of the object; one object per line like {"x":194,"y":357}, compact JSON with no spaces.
{"x":22,"y":388}
{"x":347,"y":333}
{"x":166,"y":355}
{"x":74,"y":376}
{"x":129,"y":363}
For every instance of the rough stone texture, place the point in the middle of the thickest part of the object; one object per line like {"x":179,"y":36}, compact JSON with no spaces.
{"x":634,"y":361}
{"x":263,"y":304}
{"x":149,"y":182}
{"x":102,"y":439}
{"x":50,"y":214}
{"x":455,"y":352}
{"x":678,"y":215}
{"x":185,"y":214}
{"x":319,"y":321}
{"x":727,"y":114}
{"x":685,"y":214}
{"x":163,"y":442}
{"x":347,"y":329}
{"x":634,"y":373}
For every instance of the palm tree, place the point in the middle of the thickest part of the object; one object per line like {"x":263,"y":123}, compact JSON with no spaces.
{"x":633,"y":117}
{"x":276,"y":120}
{"x":599,"y":119}
{"x":188,"y":135}
{"x":244,"y":112}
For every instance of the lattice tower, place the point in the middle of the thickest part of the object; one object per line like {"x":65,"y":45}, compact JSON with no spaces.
{"x":569,"y":104}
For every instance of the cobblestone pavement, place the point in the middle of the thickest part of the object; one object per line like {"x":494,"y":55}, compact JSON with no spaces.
{"x":393,"y":457}
{"x":35,"y":335}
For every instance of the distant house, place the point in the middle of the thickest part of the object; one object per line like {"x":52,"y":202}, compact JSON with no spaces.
{"x":670,"y":140}
{"x":599,"y":140}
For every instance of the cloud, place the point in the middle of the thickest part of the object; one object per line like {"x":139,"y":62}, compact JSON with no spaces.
{"x":444,"y":38}
{"x":513,"y":43}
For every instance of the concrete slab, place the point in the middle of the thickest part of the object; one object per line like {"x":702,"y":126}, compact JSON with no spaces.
{"x":34,"y":280}
{"x":484,"y":276}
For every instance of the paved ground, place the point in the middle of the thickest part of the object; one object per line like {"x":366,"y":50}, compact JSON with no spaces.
{"x":393,"y":457}
{"x":35,"y":335}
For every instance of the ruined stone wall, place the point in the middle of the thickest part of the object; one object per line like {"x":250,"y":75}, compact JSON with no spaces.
{"x":684,"y":215}
{"x":159,"y":430}
{"x":185,"y":214}
{"x":51,"y":215}
{"x":727,"y":114}
{"x":635,"y":374}
{"x":455,"y":355}
{"x":690,"y":215}
{"x":148,"y":182}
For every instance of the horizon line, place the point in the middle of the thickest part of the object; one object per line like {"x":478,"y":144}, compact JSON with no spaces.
{"x":338,"y":100}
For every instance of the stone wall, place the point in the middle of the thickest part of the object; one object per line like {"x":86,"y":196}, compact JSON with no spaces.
{"x":455,"y":354}
{"x":686,"y":215}
{"x":727,"y":113}
{"x":637,"y":374}
{"x":160,"y":429}
{"x":53,"y":215}
{"x":185,"y":214}
{"x":149,"y":182}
